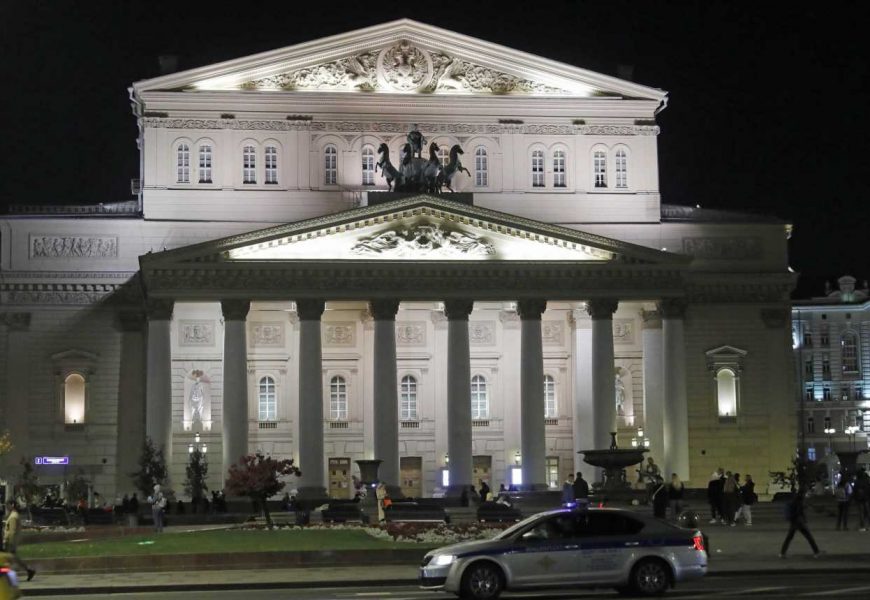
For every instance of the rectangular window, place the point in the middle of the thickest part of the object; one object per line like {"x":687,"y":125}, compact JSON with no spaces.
{"x":621,"y":169}
{"x":808,"y":337}
{"x":205,"y":164}
{"x":809,"y":396}
{"x":600,"y":169}
{"x":811,"y":425}
{"x":330,"y":166}
{"x":538,"y":168}
{"x":553,"y":472}
{"x":481,"y":168}
{"x":249,"y":165}
{"x":826,"y":367}
{"x":826,"y":393}
{"x":824,"y":338}
{"x":368,"y":166}
{"x":271,"y":157}
{"x":559,"y":179}
{"x":808,"y":369}
{"x":183,"y":163}
{"x":811,"y":454}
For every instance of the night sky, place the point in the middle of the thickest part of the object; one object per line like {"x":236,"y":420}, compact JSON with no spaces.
{"x":767,"y":112}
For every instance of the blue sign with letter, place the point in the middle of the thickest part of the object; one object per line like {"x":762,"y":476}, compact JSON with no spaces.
{"x":51,"y":460}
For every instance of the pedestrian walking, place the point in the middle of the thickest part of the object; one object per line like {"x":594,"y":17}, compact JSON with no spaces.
{"x":843,"y":494}
{"x":381,"y":495}
{"x":485,"y":493}
{"x":581,"y":490}
{"x":797,"y":520}
{"x":861,"y":498}
{"x":675,"y":496}
{"x":714,"y":495}
{"x":749,"y":499}
{"x":729,"y":498}
{"x":11,"y":536}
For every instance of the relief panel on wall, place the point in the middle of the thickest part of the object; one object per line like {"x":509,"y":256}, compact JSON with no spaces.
{"x":411,"y":333}
{"x":197,"y":401}
{"x":267,"y":334}
{"x":481,"y":333}
{"x":623,"y":331}
{"x":339,"y":334}
{"x":196,"y":333}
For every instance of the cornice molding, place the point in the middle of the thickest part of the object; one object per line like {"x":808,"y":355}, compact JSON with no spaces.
{"x":15,"y":321}
{"x":395,"y":127}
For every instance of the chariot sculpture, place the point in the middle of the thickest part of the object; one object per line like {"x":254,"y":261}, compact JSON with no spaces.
{"x":417,"y":174}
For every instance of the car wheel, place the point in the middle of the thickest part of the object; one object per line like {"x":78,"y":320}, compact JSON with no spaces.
{"x":482,"y":581}
{"x":650,"y":577}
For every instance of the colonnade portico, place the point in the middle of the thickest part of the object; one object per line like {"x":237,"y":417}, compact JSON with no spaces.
{"x":595,"y":415}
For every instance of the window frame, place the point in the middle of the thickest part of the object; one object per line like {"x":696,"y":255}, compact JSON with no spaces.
{"x":599,"y":169}
{"x":263,"y":398}
{"x":537,"y":169}
{"x":559,"y":162}
{"x":731,"y":359}
{"x":338,"y":398}
{"x":330,"y":172}
{"x":408,"y":398}
{"x":270,"y":172}
{"x":551,"y":409}
{"x":481,"y":167}
{"x":249,"y":164}
{"x":479,"y":396}
{"x":620,"y":168}
{"x":854,"y":357}
{"x":182,"y":162}
{"x":368,"y":170}
{"x":205,"y":162}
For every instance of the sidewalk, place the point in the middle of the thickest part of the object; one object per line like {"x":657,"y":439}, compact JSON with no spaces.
{"x":733,"y":549}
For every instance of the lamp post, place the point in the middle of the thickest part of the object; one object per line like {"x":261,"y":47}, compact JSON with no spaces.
{"x":851,"y":430}
{"x":640,"y":439}
{"x":830,"y":431}
{"x":197,"y":446}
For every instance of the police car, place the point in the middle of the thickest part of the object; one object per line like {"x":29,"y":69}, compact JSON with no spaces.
{"x":570,"y":547}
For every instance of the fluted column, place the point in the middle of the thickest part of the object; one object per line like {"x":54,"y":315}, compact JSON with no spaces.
{"x":653,"y":384}
{"x":676,"y":413}
{"x":533,"y":442}
{"x":386,"y":397}
{"x":158,"y":391}
{"x":131,"y":396}
{"x":603,"y":394}
{"x":311,"y":483}
{"x":235,"y":396}
{"x":458,"y":393}
{"x":584,"y":410}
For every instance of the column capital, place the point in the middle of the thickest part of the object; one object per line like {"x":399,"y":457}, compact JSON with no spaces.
{"x":775,"y":318}
{"x":235,"y":310}
{"x":601,"y":308}
{"x":159,"y":309}
{"x":672,"y":308}
{"x":15,"y":321}
{"x":652,"y":319}
{"x":458,"y":310}
{"x":531,"y":309}
{"x":384,"y":309}
{"x":310,"y":309}
{"x":130,"y":321}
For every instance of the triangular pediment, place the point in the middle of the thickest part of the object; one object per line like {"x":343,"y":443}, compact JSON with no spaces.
{"x":415,"y":229}
{"x":401,"y":56}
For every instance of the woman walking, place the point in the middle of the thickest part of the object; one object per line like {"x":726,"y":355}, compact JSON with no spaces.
{"x":731,"y":500}
{"x":749,"y":498}
{"x":675,"y":495}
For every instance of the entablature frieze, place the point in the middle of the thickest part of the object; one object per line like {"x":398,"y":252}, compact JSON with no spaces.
{"x":397,"y":128}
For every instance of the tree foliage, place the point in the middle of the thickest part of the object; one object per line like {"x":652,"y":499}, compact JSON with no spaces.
{"x":152,"y":469}
{"x":257,"y":477}
{"x":799,"y":475}
{"x":27,"y":485}
{"x":77,"y":488}
{"x":6,"y":444}
{"x":197,"y":472}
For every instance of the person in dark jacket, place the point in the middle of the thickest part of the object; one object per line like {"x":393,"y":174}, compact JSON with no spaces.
{"x":660,"y":500}
{"x":581,"y":490}
{"x":714,"y":496}
{"x":861,"y":497}
{"x":568,"y":490}
{"x":747,"y":492}
{"x":797,"y":520}
{"x":675,"y":495}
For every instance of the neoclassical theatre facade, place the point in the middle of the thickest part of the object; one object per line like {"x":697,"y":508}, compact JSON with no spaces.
{"x":270,"y":289}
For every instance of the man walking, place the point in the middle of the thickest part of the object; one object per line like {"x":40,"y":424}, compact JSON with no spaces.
{"x":581,"y":490}
{"x":797,"y":520}
{"x":11,"y":535}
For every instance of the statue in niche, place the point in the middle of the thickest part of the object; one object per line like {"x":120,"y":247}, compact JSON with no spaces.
{"x":620,"y":396}
{"x":197,"y":398}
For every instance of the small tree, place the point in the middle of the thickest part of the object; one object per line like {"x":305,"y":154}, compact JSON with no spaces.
{"x":152,"y":469}
{"x":197,"y":471}
{"x":77,"y":488}
{"x":256,"y":476}
{"x":6,"y":444}
{"x":799,"y":475}
{"x":27,"y":485}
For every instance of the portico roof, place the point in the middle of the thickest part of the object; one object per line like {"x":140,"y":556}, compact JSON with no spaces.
{"x":419,"y":247}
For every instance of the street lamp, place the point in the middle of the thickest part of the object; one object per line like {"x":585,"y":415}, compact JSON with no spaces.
{"x":640,"y":440}
{"x":830,"y":431}
{"x":197,"y":446}
{"x":851,"y":430}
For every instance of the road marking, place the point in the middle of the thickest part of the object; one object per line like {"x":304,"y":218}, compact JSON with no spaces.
{"x":840,"y":591}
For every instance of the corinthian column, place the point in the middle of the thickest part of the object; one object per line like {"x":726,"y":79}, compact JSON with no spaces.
{"x":533,"y":443}
{"x":458,"y":394}
{"x":311,"y":483}
{"x":676,"y":413}
{"x":235,"y":396}
{"x":603,"y":395}
{"x":158,"y":391}
{"x":386,"y":400}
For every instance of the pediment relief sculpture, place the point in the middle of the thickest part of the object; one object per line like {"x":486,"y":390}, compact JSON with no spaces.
{"x":403,"y":67}
{"x":424,"y":239}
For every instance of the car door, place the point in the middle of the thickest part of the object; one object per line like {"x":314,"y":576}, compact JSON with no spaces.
{"x":608,"y":543}
{"x":544,"y":554}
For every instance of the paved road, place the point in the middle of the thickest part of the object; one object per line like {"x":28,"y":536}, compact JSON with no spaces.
{"x":793,"y":585}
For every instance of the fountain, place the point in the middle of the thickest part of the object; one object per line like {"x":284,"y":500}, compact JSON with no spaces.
{"x":614,"y":461}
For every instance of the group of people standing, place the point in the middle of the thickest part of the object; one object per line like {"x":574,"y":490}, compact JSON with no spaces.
{"x":852,"y":490}
{"x":729,"y":499}
{"x":575,"y":490}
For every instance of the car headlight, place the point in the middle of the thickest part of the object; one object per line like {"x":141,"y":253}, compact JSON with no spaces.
{"x":442,"y":560}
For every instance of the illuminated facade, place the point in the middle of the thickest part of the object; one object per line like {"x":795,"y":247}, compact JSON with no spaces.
{"x":831,"y":340}
{"x":262,"y":293}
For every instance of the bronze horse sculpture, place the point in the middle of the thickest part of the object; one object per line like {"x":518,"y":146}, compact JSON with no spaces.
{"x":420,"y":175}
{"x":453,"y":166}
{"x":389,"y":172}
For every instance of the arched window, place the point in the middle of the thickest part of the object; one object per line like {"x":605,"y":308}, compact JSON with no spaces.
{"x":479,"y":398}
{"x":182,"y":160}
{"x":205,"y":155}
{"x":368,"y":165}
{"x":249,"y":164}
{"x":600,"y":168}
{"x":559,"y":180}
{"x":338,"y":399}
{"x":538,"y":168}
{"x":267,"y":400}
{"x":270,"y":156}
{"x":408,"y":397}
{"x":549,"y":397}
{"x":849,"y":346}
{"x":330,"y":165}
{"x":74,"y":399}
{"x":621,"y":169}
{"x":481,"y":167}
{"x":726,"y":387}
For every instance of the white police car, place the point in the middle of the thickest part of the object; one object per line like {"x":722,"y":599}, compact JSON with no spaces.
{"x":596,"y":547}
